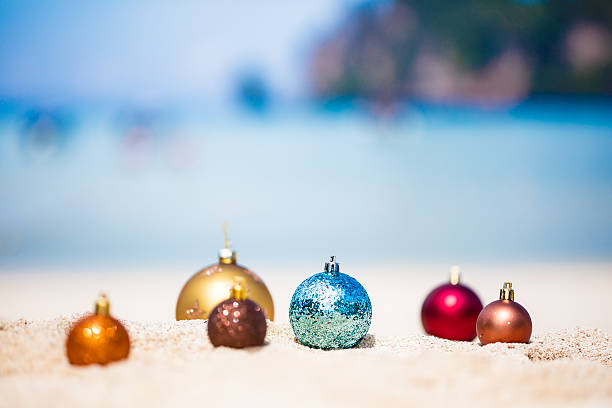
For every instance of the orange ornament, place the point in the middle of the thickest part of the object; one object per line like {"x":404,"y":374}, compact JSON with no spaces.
{"x":97,"y":338}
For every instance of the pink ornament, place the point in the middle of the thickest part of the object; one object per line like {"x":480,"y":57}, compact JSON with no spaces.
{"x":450,"y":311}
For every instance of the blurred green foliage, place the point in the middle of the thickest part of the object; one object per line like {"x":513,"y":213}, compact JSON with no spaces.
{"x":473,"y":33}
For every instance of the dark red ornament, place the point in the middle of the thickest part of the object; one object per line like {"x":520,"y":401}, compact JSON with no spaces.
{"x":504,"y":320}
{"x":450,"y":310}
{"x":237,"y":322}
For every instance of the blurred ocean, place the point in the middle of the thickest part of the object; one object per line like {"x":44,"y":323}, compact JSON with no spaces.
{"x":444,"y":185}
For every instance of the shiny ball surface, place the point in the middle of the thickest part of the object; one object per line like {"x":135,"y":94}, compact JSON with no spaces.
{"x":330,"y":310}
{"x":237,"y":323}
{"x":210,"y":286}
{"x":97,"y":339}
{"x":503,"y":321}
{"x":450,"y":312}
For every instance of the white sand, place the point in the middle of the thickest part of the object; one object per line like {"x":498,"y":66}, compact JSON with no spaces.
{"x":558,"y":296}
{"x":172,"y":364}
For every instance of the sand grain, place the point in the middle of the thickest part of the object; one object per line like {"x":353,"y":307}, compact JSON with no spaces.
{"x":173,"y":364}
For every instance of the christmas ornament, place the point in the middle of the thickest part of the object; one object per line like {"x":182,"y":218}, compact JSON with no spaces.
{"x":450,"y":310}
{"x":237,"y":322}
{"x":97,"y":338}
{"x":204,"y":290}
{"x":330,"y":310}
{"x":504,"y":320}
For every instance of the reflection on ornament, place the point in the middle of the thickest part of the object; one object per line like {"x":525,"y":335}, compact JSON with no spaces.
{"x":504,"y":320}
{"x":330,"y":310}
{"x":237,"y":322}
{"x":194,"y":312}
{"x":450,"y":310}
{"x":208,"y":287}
{"x":97,"y":338}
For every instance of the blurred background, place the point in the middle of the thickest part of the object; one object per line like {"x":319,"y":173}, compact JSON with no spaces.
{"x":394,"y":133}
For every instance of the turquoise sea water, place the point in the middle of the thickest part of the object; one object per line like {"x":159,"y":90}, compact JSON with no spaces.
{"x":442,"y":185}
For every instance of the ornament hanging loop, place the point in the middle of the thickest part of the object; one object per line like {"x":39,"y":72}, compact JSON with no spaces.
{"x":226,"y":255}
{"x":225,"y":234}
{"x":506,"y":292}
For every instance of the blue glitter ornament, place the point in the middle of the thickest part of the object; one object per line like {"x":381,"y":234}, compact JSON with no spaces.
{"x":330,"y":310}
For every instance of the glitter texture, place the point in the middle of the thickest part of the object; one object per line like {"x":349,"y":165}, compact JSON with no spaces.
{"x":237,"y":323}
{"x":330,"y":310}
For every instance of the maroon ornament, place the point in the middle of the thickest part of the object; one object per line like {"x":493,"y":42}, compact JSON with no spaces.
{"x":450,"y":311}
{"x":237,"y":322}
{"x":504,"y":320}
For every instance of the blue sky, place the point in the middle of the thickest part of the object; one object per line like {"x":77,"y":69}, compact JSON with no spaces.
{"x":154,"y":50}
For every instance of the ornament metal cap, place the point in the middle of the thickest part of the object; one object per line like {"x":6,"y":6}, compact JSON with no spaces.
{"x":238,"y":291}
{"x":332,"y":265}
{"x":506,"y":292}
{"x":102,"y":307}
{"x":227,"y":256}
{"x":455,"y":275}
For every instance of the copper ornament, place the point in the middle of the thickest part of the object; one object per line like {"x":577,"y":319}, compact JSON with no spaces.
{"x":504,"y":320}
{"x":97,"y":338}
{"x":237,"y":322}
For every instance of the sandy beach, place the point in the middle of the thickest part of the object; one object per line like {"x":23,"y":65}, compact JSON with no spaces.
{"x":173,"y":364}
{"x":567,"y":363}
{"x":147,"y":147}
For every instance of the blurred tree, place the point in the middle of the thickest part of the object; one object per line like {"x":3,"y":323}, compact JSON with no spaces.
{"x":467,"y":50}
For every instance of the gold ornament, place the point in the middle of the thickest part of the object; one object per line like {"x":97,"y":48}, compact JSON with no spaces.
{"x":210,"y":286}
